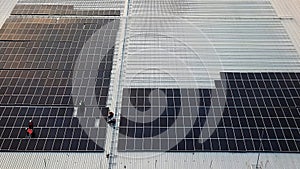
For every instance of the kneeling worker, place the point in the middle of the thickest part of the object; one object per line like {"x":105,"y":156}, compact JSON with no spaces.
{"x":110,"y":118}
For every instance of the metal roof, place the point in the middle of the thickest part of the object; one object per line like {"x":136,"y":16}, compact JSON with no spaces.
{"x":161,"y":44}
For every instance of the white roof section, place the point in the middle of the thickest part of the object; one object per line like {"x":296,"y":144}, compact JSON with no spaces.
{"x":52,"y":160}
{"x":5,"y":9}
{"x":186,"y":44}
{"x":150,"y":161}
{"x":289,"y":13}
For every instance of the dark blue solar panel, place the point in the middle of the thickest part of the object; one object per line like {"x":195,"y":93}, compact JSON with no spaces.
{"x":260,"y":114}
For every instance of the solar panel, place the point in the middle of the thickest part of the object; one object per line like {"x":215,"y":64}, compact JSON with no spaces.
{"x":261,"y":113}
{"x":38,"y":67}
{"x":60,"y":10}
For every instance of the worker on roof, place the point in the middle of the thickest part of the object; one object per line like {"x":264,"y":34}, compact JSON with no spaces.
{"x":29,"y":132}
{"x":30,"y":124}
{"x":110,"y":118}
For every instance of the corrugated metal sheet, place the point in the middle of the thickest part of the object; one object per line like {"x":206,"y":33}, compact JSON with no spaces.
{"x":52,"y":160}
{"x":288,"y":11}
{"x":206,"y":161}
{"x":187,"y":43}
{"x":5,"y":9}
{"x":149,"y":160}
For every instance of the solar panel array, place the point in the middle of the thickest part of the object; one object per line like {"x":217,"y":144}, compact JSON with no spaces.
{"x":261,"y":113}
{"x":80,"y":4}
{"x":171,"y":101}
{"x":38,"y":57}
{"x":60,"y":10}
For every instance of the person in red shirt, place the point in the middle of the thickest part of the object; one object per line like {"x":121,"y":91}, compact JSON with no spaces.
{"x":29,"y":132}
